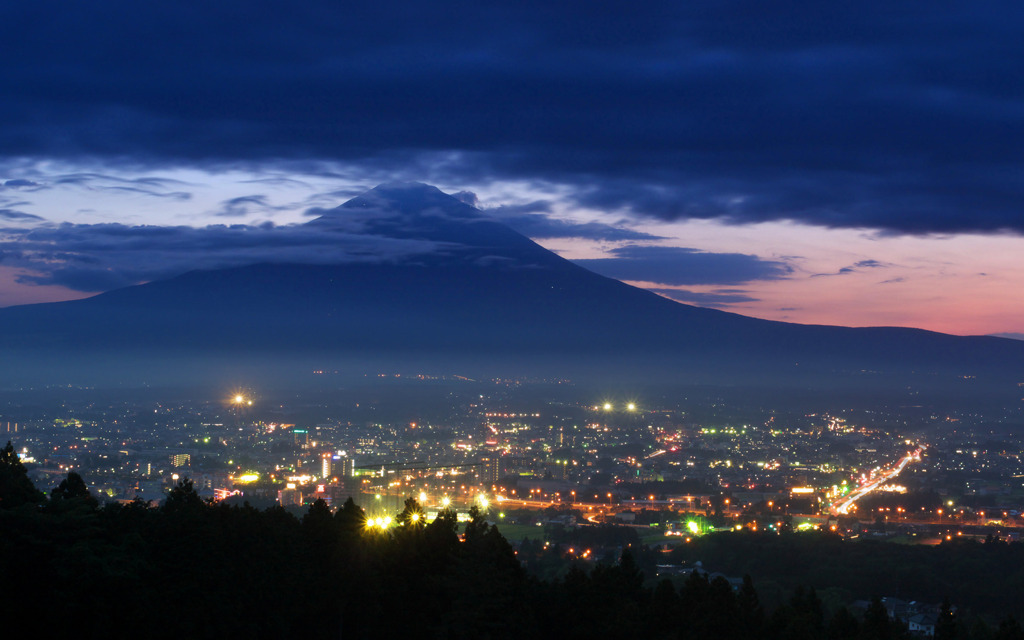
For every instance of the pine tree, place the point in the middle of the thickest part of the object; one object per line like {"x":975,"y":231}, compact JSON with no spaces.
{"x":15,"y":487}
{"x":72,"y":488}
{"x":945,"y":626}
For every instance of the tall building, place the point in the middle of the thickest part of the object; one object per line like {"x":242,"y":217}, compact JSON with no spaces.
{"x":343,"y":465}
{"x":491,"y":469}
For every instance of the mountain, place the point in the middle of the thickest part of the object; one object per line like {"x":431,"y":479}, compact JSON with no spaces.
{"x":439,"y":287}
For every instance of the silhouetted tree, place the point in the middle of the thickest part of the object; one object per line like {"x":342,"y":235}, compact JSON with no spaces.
{"x":664,"y":608}
{"x":751,"y":614}
{"x":15,"y":487}
{"x":477,"y":526}
{"x":1009,"y":629}
{"x":802,"y":618}
{"x":73,"y":488}
{"x":877,"y":625}
{"x":351,"y":518}
{"x":842,"y":626}
{"x":412,"y":515}
{"x":946,"y":624}
{"x":183,"y":498}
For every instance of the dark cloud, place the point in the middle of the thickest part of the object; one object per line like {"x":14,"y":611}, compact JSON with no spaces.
{"x":108,"y":181}
{"x":18,"y":216}
{"x":99,"y":257}
{"x":907,"y":117}
{"x":172,"y":195}
{"x":149,"y":186}
{"x":854,"y":268}
{"x":278,"y":181}
{"x":720,"y":298}
{"x":468,"y":197}
{"x":529,"y":220}
{"x":540,"y":226}
{"x":869,"y":264}
{"x":22,"y":184}
{"x":683,"y":266}
{"x":243,"y":206}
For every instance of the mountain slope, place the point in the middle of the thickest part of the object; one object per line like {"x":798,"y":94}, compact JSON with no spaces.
{"x":470,"y":293}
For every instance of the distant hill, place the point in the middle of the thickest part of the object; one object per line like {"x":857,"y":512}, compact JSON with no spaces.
{"x":466,"y":295}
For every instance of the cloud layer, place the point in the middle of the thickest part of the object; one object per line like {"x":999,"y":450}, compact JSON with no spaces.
{"x":100,"y":257}
{"x":906,"y":117}
{"x":683,"y":266}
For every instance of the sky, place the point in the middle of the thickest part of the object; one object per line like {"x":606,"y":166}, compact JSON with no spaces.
{"x":859,"y":164}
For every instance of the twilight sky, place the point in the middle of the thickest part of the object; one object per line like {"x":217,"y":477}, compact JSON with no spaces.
{"x":857,"y":164}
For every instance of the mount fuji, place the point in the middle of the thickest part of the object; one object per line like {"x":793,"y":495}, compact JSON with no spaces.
{"x":431,"y":283}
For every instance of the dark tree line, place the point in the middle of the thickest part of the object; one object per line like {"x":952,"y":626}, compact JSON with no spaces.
{"x":983,"y":577}
{"x":192,"y":569}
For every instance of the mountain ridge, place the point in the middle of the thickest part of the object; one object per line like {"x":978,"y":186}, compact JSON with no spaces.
{"x":463,"y":290}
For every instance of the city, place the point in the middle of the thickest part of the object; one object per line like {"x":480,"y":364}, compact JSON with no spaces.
{"x":522,"y":447}
{"x":570,"y":478}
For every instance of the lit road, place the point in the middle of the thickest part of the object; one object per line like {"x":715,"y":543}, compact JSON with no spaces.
{"x":843,"y":507}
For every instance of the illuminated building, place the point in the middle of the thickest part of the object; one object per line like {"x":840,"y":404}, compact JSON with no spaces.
{"x":344,"y":465}
{"x":290,"y":496}
{"x":491,"y":469}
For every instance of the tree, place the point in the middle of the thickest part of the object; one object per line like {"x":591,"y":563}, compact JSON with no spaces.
{"x":441,"y":533}
{"x":15,"y":487}
{"x":477,"y":526}
{"x":320,"y":527}
{"x":1009,"y":629}
{"x":842,"y":626}
{"x":877,"y":625}
{"x":183,"y":497}
{"x":412,"y":515}
{"x":945,"y":626}
{"x":751,"y":613}
{"x":351,"y":519}
{"x":664,"y":608}
{"x":72,"y":488}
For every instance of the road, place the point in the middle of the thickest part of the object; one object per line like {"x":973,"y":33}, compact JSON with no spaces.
{"x":843,"y":507}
